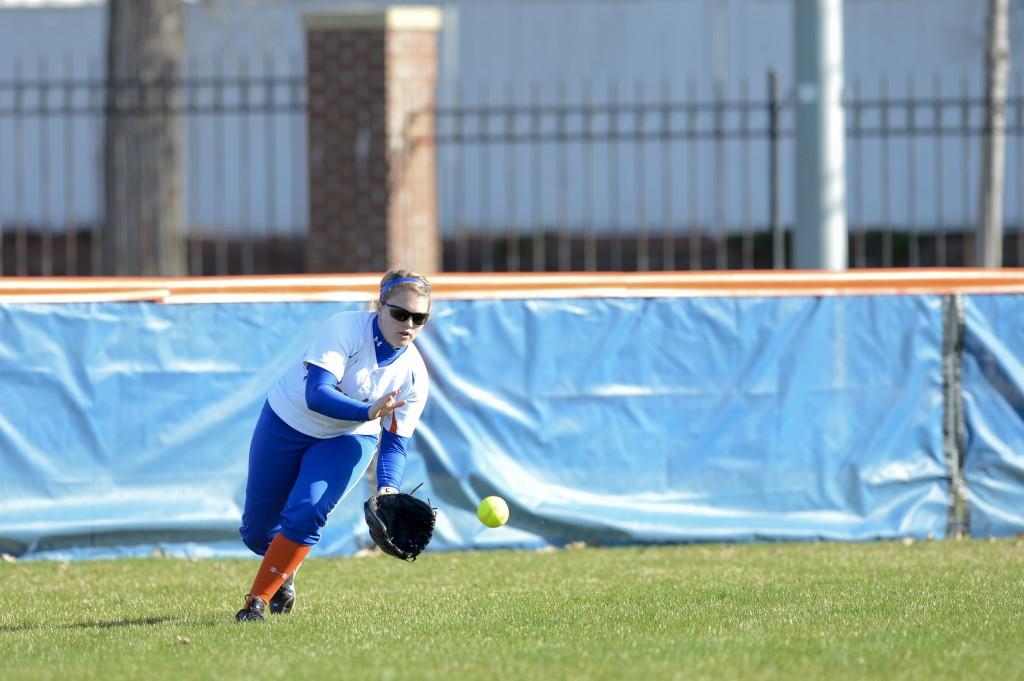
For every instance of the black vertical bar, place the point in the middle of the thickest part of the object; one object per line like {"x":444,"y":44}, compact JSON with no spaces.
{"x":143,"y":168}
{"x":20,"y":240}
{"x":693,"y":187}
{"x":589,"y":219}
{"x":193,"y":129}
{"x":485,"y":223}
{"x":45,"y":226}
{"x":270,"y":142}
{"x":643,"y":259}
{"x":151,"y":107}
{"x":775,"y":214}
{"x":112,"y":234}
{"x":459,"y":185}
{"x":537,"y":176}
{"x":913,"y":234}
{"x":1019,"y":101}
{"x":940,"y":226}
{"x":245,"y":177}
{"x":860,"y":227}
{"x":4,"y":88}
{"x":511,"y":171}
{"x":96,"y":94}
{"x":965,"y":173}
{"x":614,"y":177}
{"x":221,"y":259}
{"x":885,"y":176}
{"x":747,"y":237}
{"x":721,"y":243}
{"x":693,"y":194}
{"x":296,"y":114}
{"x":561,"y":135}
{"x":3,"y":159}
{"x":668,"y":246}
{"x":67,"y":137}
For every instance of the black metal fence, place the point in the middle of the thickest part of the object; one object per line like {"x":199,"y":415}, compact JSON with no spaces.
{"x":624,"y":181}
{"x":243,"y":155}
{"x":580,"y":177}
{"x":668,"y":181}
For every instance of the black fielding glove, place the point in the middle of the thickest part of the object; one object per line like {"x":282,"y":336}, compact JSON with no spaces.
{"x":400,"y":524}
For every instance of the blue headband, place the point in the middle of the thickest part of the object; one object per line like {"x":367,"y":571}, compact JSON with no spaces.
{"x":403,"y":280}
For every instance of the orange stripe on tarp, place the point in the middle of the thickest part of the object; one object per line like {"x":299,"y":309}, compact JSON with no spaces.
{"x":360,"y":287}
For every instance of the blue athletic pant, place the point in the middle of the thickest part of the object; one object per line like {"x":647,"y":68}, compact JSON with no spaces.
{"x":296,"y":480}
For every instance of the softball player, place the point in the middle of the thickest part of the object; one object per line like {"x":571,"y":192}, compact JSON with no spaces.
{"x":360,"y":384}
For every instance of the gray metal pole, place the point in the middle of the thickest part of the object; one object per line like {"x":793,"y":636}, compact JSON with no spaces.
{"x":989,"y":243}
{"x":819,"y":238}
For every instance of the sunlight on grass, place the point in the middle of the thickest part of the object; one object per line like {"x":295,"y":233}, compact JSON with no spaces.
{"x":933,"y":610}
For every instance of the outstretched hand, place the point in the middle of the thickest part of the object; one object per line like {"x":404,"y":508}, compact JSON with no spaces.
{"x":385,"y":405}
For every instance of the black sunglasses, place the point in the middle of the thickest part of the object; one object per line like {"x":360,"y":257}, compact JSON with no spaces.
{"x":401,"y":314}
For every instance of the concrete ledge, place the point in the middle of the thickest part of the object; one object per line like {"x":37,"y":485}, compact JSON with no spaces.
{"x":401,"y":18}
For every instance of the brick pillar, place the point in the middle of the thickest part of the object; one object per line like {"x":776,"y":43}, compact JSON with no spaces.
{"x":372,"y":198}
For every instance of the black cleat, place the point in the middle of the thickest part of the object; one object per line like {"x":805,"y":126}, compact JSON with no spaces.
{"x":253,"y":610}
{"x":284,"y":600}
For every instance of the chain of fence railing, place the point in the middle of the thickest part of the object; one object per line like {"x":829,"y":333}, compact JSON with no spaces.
{"x":644,"y":178}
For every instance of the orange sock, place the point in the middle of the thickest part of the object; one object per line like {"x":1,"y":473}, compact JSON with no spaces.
{"x":282,"y":559}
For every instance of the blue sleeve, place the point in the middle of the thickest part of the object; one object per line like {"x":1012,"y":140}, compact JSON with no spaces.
{"x":391,"y":460}
{"x":323,"y":398}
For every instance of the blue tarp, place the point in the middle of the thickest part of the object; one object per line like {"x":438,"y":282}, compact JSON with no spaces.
{"x":692,"y":419}
{"x":125,"y":426}
{"x":993,"y":395}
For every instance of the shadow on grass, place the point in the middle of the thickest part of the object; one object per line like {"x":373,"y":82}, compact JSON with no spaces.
{"x":139,"y":621}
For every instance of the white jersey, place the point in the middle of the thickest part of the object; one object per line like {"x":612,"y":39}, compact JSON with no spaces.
{"x":344,"y":346}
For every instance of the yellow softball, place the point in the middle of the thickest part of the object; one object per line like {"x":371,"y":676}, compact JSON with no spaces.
{"x":492,"y":512}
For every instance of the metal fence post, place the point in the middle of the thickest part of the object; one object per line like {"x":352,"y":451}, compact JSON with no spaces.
{"x":778,"y":235}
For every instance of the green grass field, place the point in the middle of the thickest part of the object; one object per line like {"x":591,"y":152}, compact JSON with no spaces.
{"x":932,"y":610}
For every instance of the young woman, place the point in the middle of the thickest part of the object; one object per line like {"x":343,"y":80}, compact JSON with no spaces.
{"x":361,"y":383}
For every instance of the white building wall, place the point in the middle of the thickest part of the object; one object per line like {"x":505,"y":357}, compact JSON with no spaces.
{"x":489,"y":48}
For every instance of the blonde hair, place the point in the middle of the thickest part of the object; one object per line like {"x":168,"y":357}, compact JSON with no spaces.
{"x":420,"y":287}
